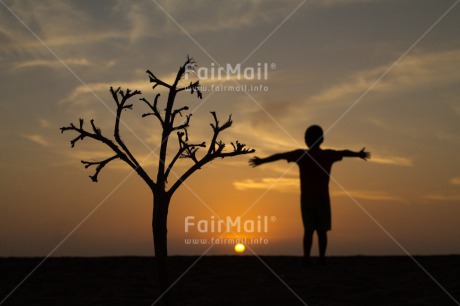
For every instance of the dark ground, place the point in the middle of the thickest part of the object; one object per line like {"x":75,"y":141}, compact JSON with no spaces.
{"x":233,"y":280}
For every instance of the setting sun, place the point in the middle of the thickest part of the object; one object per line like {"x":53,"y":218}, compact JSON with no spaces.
{"x":239,"y":248}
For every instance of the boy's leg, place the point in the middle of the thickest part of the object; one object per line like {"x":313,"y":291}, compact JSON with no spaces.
{"x":322,"y":242}
{"x":307,"y":243}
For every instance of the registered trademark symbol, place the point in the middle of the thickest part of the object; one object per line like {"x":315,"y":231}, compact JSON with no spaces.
{"x":272,"y":218}
{"x":273,"y":66}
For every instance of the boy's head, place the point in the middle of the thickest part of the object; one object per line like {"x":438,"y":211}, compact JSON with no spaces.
{"x":314,"y":136}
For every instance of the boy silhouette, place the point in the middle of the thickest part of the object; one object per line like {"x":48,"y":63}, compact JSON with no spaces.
{"x":315,"y":167}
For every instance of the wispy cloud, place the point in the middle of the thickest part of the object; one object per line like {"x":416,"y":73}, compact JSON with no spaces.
{"x":38,"y":139}
{"x":73,"y":23}
{"x":58,"y":24}
{"x":332,"y":3}
{"x":293,"y":185}
{"x":442,"y":197}
{"x":44,"y":123}
{"x":76,"y":96}
{"x":51,"y":63}
{"x":372,"y":195}
{"x":278,"y":184}
{"x":392,"y":160}
{"x":266,"y":139}
{"x":455,"y":181}
{"x":448,"y":137}
{"x":422,"y":69}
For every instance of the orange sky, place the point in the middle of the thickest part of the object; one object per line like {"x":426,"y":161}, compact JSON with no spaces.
{"x":350,"y":66}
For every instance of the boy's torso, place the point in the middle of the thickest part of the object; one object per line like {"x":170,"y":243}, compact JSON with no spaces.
{"x":315,"y":168}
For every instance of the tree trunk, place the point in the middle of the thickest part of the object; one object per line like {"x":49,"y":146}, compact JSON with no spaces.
{"x":160,"y":242}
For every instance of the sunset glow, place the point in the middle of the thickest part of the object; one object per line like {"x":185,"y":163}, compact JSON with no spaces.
{"x":357,"y":68}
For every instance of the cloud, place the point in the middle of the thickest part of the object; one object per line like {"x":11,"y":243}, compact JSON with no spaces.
{"x":56,"y":64}
{"x":76,"y":96}
{"x":262,"y":136}
{"x":422,"y":70}
{"x":51,"y":63}
{"x":342,"y":2}
{"x":228,"y":15}
{"x":44,"y":123}
{"x":448,"y":137}
{"x":372,"y":195}
{"x":66,"y":23}
{"x":392,"y":160}
{"x":165,"y":18}
{"x":38,"y":139}
{"x":292,"y":185}
{"x":278,"y":184}
{"x":442,"y":197}
{"x":73,"y":24}
{"x":232,"y":14}
{"x":455,"y":181}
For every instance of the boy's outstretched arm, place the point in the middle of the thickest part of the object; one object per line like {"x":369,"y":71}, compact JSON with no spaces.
{"x":256,"y":161}
{"x":361,"y":154}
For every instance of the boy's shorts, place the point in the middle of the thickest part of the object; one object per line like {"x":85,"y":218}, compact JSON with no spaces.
{"x":316,"y":215}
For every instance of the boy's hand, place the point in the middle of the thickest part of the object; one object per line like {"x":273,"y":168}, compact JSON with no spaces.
{"x":254,"y":162}
{"x":363,"y":154}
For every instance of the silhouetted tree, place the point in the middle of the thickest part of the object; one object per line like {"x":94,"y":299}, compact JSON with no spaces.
{"x":161,"y":193}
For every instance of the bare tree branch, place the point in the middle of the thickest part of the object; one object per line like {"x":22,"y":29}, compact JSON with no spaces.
{"x":217,"y":129}
{"x":154,"y":109}
{"x":97,"y":135}
{"x":168,"y":126}
{"x":238,"y":149}
{"x":183,"y":125}
{"x":96,"y":130}
{"x":177,"y":155}
{"x":124,"y":96}
{"x":157,"y":81}
{"x":121,"y":105}
{"x":115,"y":94}
{"x":193,"y":87}
{"x":100,"y":165}
{"x":190,"y":64}
{"x":191,"y":149}
{"x":73,"y":127}
{"x":186,"y":150}
{"x":216,"y":150}
{"x":177,"y":111}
